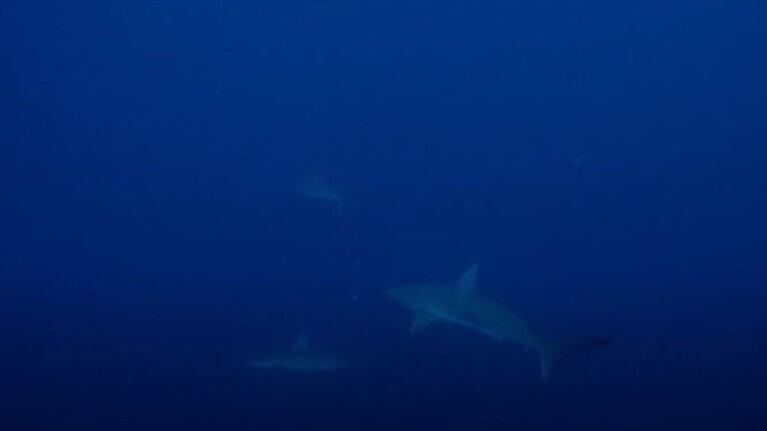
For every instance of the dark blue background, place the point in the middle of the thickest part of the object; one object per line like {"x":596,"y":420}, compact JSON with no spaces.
{"x":603,"y":161}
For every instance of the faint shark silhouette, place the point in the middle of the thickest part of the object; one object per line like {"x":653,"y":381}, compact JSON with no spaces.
{"x":317,"y":189}
{"x":300,"y":357}
{"x":461,"y":304}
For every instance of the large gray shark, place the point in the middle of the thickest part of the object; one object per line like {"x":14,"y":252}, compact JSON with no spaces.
{"x":299,"y":358}
{"x":320,"y":190}
{"x":461,"y":304}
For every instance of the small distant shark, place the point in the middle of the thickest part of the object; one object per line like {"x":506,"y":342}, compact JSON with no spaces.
{"x":319,"y":190}
{"x":299,"y":358}
{"x":461,"y":304}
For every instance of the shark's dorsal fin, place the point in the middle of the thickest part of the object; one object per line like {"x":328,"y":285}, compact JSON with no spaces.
{"x":421,"y":321}
{"x":468,"y":280}
{"x":301,"y":344}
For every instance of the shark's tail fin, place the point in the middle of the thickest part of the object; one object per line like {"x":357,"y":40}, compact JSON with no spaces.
{"x":553,"y":354}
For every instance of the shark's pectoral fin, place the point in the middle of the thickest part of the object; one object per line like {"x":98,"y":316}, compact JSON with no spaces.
{"x":421,"y":322}
{"x":468,"y":281}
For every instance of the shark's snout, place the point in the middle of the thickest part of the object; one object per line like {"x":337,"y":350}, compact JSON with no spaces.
{"x":395,"y":294}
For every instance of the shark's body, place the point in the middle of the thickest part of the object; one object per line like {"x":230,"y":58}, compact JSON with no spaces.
{"x":461,"y":304}
{"x":321,"y":191}
{"x":299,"y":358}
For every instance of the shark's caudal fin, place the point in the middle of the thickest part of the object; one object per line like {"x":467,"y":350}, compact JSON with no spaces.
{"x":553,"y":354}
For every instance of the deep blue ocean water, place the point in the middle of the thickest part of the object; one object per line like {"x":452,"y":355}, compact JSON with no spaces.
{"x":603,"y":162}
